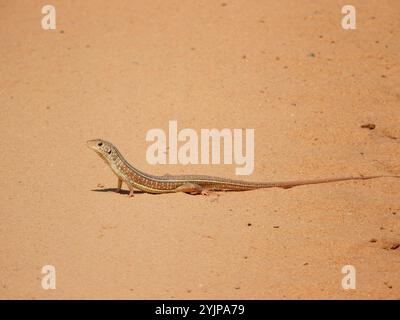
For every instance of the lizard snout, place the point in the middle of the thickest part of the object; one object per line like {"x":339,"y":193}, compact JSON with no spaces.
{"x":92,"y":144}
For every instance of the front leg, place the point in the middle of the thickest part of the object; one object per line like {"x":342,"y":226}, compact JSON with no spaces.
{"x":131,"y":191}
{"x":119,"y":185}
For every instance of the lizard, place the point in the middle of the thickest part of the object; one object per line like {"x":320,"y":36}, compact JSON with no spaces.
{"x":191,"y":184}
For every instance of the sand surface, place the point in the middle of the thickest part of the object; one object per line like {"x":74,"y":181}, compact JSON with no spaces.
{"x":115,"y":69}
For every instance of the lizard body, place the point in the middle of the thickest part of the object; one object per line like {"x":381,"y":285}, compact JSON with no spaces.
{"x":193,"y":184}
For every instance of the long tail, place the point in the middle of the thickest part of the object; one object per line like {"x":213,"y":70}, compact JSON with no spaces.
{"x":290,"y":184}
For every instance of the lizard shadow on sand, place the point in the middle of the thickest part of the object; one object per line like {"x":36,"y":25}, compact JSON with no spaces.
{"x":155,"y":194}
{"x":115,"y":190}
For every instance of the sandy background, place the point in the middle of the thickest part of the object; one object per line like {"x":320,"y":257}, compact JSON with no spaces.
{"x":114,"y":70}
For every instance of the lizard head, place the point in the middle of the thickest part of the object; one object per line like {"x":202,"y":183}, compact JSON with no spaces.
{"x":104,"y":149}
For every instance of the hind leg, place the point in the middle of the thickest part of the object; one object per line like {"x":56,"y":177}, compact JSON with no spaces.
{"x":190,"y":188}
{"x":193,"y":188}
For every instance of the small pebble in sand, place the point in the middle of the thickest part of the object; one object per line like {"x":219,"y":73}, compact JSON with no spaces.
{"x":388,"y":285}
{"x":311,"y":55}
{"x":99,"y":185}
{"x":276,"y":227}
{"x":373,"y":240}
{"x":395,"y":246}
{"x":369,"y":126}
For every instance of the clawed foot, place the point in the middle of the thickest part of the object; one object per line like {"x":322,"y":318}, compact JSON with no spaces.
{"x":131,"y":192}
{"x":207,"y":193}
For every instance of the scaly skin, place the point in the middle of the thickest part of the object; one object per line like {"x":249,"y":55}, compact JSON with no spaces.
{"x":193,"y":184}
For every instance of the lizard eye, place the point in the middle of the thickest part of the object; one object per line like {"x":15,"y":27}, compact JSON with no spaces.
{"x":100,"y":144}
{"x":109,"y":151}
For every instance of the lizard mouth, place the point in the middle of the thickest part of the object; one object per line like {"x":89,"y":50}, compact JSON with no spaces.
{"x":101,"y":155}
{"x":91,"y":144}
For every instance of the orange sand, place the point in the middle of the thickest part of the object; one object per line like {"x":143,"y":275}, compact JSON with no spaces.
{"x":116,"y":70}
